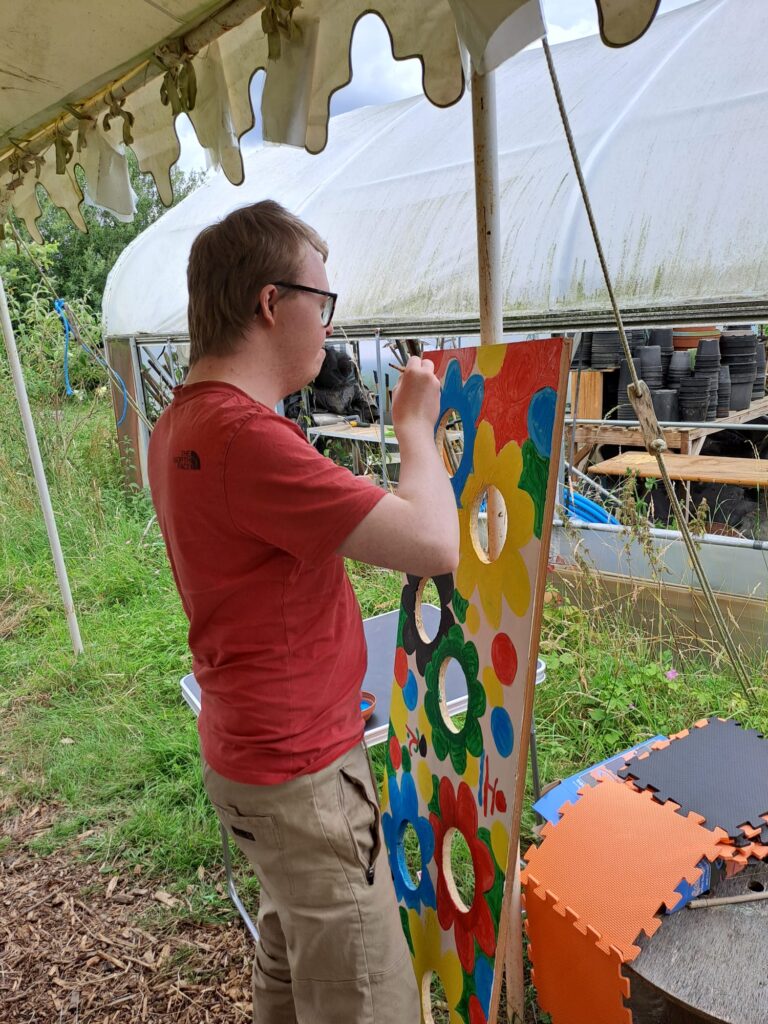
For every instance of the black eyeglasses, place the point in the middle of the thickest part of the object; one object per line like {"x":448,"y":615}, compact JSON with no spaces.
{"x":326,"y":313}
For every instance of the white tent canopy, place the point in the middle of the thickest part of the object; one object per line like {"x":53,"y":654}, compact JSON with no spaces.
{"x":68,"y":63}
{"x":673,"y":137}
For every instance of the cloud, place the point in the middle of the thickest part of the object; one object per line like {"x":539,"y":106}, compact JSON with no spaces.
{"x":376,"y":76}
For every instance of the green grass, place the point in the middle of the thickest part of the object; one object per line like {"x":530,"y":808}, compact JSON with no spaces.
{"x":106,"y":736}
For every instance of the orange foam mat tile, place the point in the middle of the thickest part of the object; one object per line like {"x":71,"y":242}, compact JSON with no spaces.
{"x":576,"y":982}
{"x":616,"y":856}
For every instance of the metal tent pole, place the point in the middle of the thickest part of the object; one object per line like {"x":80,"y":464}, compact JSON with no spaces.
{"x":37,"y":467}
{"x":487,"y":201}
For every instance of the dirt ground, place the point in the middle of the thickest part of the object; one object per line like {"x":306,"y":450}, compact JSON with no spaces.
{"x":81,"y":947}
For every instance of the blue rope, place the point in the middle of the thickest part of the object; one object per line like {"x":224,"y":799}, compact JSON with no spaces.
{"x":60,"y":306}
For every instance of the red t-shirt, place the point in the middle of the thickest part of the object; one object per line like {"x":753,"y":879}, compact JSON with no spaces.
{"x":252,"y":517}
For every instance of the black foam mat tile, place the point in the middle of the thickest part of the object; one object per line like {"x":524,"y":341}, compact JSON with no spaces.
{"x":717,"y":770}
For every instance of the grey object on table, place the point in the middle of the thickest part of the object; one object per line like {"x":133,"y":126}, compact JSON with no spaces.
{"x":707,"y":964}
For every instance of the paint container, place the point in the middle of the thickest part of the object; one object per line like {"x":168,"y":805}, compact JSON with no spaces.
{"x":367,"y":704}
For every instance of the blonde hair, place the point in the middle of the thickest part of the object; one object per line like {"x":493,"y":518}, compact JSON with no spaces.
{"x":231,"y":261}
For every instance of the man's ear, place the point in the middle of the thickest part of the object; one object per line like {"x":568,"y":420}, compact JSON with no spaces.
{"x":266,"y":307}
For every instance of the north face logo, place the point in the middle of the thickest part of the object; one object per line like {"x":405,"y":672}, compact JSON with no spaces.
{"x":187,"y":460}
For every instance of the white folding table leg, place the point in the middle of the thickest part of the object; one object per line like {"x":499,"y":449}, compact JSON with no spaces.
{"x":233,"y":895}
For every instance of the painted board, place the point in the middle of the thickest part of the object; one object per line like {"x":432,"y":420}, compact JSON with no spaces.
{"x":459,"y":785}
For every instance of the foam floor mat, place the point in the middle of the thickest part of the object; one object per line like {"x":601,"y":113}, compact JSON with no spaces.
{"x":717,"y":770}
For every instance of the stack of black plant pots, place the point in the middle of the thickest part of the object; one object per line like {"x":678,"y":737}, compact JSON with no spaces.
{"x":679,"y":368}
{"x":625,"y":411}
{"x":637,"y":341}
{"x":758,"y":388}
{"x":606,"y":349}
{"x":694,"y":398}
{"x":708,"y":364}
{"x":739,"y":353}
{"x":650,"y":366}
{"x":730,"y":371}
{"x":583,"y":355}
{"x":663,"y":338}
{"x":724,"y":391}
{"x":652,"y":371}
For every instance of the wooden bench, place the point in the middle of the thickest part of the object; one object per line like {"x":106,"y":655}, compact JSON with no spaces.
{"x":712,"y":469}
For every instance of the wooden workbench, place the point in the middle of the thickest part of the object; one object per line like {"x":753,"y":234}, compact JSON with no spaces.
{"x":686,"y":441}
{"x":355,"y":432}
{"x":712,"y":469}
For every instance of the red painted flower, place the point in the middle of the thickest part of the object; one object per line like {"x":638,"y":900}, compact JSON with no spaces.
{"x":459,"y":811}
{"x":535,"y":366}
{"x":476,"y":1015}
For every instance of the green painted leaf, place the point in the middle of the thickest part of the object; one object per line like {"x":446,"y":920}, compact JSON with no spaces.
{"x":460,"y":605}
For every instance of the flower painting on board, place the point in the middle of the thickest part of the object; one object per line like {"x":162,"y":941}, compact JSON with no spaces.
{"x":462,"y":699}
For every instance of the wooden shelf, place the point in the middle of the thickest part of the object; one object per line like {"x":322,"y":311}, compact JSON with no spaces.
{"x":702,"y":468}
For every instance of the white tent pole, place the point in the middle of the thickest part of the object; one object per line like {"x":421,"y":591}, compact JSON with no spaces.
{"x":487,"y":206}
{"x":37,"y":467}
{"x":487,"y":203}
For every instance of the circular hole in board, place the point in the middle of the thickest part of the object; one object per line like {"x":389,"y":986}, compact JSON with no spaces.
{"x":409,"y":855}
{"x":427,"y":594}
{"x":450,"y":440}
{"x":754,"y":886}
{"x":458,"y":869}
{"x":455,"y":696}
{"x":488,"y":518}
{"x":433,"y":1005}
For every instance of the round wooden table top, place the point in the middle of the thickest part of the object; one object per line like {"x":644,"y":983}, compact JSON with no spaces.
{"x":713,"y":962}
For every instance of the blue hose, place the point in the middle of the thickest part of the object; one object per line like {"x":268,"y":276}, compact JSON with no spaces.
{"x":60,"y":306}
{"x":579,"y":507}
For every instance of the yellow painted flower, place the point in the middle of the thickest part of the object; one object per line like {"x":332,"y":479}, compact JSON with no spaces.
{"x":507,"y":575}
{"x":473,"y":619}
{"x":490,"y":359}
{"x":398,"y":713}
{"x":428,"y":958}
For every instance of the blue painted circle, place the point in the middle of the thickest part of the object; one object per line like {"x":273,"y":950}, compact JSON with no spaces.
{"x":502,"y":731}
{"x":410,"y":692}
{"x":484,"y":982}
{"x":541,"y":419}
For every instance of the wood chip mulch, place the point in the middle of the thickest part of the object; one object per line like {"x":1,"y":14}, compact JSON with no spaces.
{"x":81,"y":947}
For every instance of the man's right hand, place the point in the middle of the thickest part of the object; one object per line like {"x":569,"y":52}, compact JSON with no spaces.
{"x":416,"y":398}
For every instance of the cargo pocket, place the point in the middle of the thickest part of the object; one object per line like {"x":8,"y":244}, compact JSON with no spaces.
{"x":258,"y":837}
{"x":362,"y":817}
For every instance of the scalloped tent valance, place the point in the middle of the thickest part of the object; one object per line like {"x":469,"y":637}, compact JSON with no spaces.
{"x":683,"y":213}
{"x":78,"y":85}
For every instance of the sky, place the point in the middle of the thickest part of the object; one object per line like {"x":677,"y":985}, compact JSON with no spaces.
{"x":378,"y":78}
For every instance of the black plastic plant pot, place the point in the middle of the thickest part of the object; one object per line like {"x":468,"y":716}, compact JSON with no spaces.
{"x":741,"y":396}
{"x":665,"y":405}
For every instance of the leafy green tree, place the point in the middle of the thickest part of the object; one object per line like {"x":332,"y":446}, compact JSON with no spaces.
{"x":79,"y":263}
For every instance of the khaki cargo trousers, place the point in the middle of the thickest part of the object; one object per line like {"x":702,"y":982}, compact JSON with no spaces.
{"x":331,"y":948}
